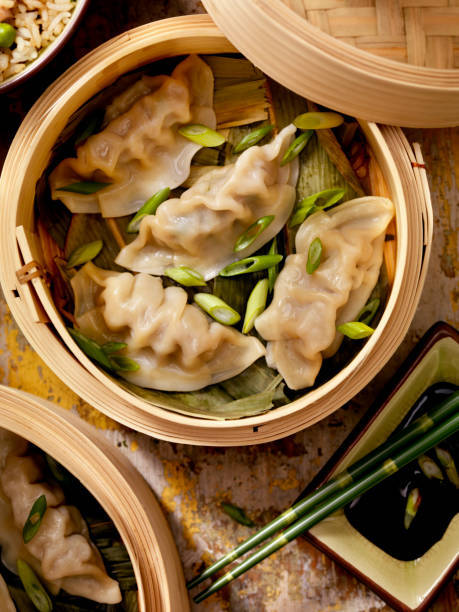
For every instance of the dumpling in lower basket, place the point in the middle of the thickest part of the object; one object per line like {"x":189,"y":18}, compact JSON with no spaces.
{"x":177,"y":346}
{"x":140,"y":150}
{"x":200,"y":228}
{"x":61,"y":552}
{"x":300,"y":324}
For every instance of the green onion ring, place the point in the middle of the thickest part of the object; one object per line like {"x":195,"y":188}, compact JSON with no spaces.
{"x":33,"y":587}
{"x":318,"y":120}
{"x":252,"y":138}
{"x":296,"y":147}
{"x":202,"y":135}
{"x":124,"y":364}
{"x":217,"y":308}
{"x":251,"y":264}
{"x":355,"y":330}
{"x":314,"y":255}
{"x":149,"y":208}
{"x":252,"y":232}
{"x":33,"y":522}
{"x":84,"y":253}
{"x":313,"y":203}
{"x":185,"y":276}
{"x":255,"y":304}
{"x":84,"y":187}
{"x":371,"y":308}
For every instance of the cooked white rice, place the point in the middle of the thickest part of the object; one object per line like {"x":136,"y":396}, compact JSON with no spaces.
{"x":37,"y":24}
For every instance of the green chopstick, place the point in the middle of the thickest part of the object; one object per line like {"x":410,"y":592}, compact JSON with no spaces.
{"x":340,"y":483}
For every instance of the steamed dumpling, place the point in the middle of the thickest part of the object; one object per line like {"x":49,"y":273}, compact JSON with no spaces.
{"x":5,"y":598}
{"x":177,"y":346}
{"x":140,"y":151}
{"x":200,"y":228}
{"x":300,"y":324}
{"x":61,"y":552}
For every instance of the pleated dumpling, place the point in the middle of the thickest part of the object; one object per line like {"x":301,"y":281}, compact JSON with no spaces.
{"x":140,"y":150}
{"x":300,"y":324}
{"x":177,"y":346}
{"x":60,"y":552}
{"x":200,"y":228}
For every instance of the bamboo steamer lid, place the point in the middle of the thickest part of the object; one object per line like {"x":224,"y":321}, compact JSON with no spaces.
{"x":391,"y":61}
{"x":399,"y":174}
{"x":122,"y":492}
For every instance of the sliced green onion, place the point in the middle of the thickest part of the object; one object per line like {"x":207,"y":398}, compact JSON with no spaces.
{"x":113,"y":347}
{"x":125,"y":364}
{"x":33,"y":587}
{"x":185,"y":276}
{"x":314,"y":255}
{"x":273,"y":272}
{"x":447,"y":461}
{"x":7,"y":35}
{"x":252,"y":138}
{"x":237,"y":514}
{"x":84,"y":187}
{"x":202,"y":135}
{"x":368,"y":311}
{"x":90,"y":348}
{"x":318,"y":120}
{"x":149,"y":208}
{"x":355,"y":330}
{"x":296,"y":147}
{"x":412,"y":505}
{"x":84,"y":253}
{"x":56,"y":469}
{"x":251,"y":264}
{"x":217,"y":308}
{"x":252,"y":232}
{"x":89,"y":126}
{"x":429,"y":468}
{"x":313,"y":203}
{"x":33,"y":522}
{"x":255,"y":304}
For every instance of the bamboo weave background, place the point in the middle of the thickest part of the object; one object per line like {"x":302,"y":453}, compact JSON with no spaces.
{"x":418,"y":32}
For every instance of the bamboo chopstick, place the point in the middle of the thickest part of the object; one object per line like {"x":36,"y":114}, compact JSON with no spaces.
{"x":423,"y":434}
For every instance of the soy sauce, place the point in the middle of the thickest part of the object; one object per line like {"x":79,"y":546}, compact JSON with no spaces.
{"x":379,"y":514}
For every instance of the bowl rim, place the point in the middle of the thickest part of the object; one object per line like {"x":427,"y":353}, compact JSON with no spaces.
{"x":169,"y":37}
{"x":48,"y":52}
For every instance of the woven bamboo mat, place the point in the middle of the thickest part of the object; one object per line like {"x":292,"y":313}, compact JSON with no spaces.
{"x":418,"y":32}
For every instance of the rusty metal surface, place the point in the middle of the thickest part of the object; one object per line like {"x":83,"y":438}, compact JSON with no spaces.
{"x":190,"y":482}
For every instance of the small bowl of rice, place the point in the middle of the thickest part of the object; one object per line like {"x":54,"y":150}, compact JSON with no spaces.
{"x":31,"y":33}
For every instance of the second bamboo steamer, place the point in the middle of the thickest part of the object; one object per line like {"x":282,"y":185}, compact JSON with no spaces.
{"x":29,"y":297}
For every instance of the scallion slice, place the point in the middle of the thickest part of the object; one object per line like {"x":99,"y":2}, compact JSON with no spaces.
{"x":124,"y":364}
{"x":90,"y":348}
{"x":33,"y":522}
{"x":89,"y":126}
{"x":318,"y":120}
{"x":252,"y":138}
{"x":313,"y":203}
{"x":314,"y":255}
{"x":368,"y":311}
{"x":84,"y":187}
{"x":252,"y":232}
{"x":202,"y":135}
{"x":149,"y":208}
{"x":296,"y":147}
{"x":355,"y":330}
{"x":273,"y":271}
{"x":84,"y":253}
{"x":185,"y":276}
{"x":237,"y":514}
{"x":33,"y":587}
{"x":217,"y":308}
{"x":255,"y":304}
{"x":251,"y":264}
{"x":113,"y":347}
{"x":412,"y":506}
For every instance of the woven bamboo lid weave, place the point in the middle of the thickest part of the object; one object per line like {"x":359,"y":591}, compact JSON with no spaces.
{"x":391,"y":61}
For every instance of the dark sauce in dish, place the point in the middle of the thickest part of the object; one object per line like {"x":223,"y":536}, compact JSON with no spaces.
{"x":379,"y":514}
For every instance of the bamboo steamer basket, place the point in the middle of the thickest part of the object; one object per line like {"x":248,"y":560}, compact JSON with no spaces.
{"x":122,"y":492}
{"x":373,"y":54}
{"x":401,"y":176}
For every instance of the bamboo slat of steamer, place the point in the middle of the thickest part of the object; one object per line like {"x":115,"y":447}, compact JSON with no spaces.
{"x":363,"y":56}
{"x":122,"y":492}
{"x":28,"y":159}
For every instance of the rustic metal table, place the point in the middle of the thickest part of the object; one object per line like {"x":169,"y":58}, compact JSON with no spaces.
{"x":190,"y":482}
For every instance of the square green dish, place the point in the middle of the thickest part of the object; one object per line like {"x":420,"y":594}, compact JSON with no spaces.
{"x":408,"y":586}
